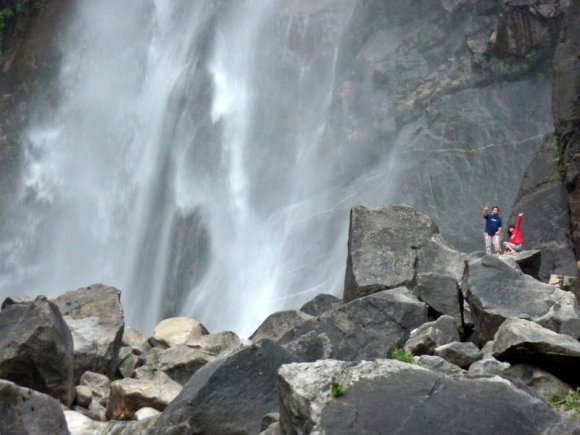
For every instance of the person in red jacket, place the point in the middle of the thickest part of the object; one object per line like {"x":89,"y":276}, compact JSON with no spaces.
{"x":515,"y":240}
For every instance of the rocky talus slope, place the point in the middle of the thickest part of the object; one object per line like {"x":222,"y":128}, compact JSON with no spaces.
{"x":495,"y":351}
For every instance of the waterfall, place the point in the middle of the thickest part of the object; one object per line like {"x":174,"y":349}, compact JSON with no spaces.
{"x":188,"y":162}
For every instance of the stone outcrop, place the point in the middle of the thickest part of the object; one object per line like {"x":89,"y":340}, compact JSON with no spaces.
{"x":36,"y":348}
{"x":519,"y":341}
{"x":566,"y":110}
{"x":382,"y":248}
{"x":415,"y":397}
{"x":95,"y":317}
{"x":24,"y":411}
{"x":543,"y":200}
{"x":229,"y":395}
{"x":369,"y":327}
{"x":496,"y":292}
{"x":397,"y":245}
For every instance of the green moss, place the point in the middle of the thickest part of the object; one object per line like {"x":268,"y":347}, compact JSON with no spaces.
{"x":336,"y":388}
{"x":400,"y":355}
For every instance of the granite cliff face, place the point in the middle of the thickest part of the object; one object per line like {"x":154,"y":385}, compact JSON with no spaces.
{"x":566,"y":105}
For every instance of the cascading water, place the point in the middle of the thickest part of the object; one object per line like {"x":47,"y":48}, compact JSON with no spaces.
{"x":185,"y":162}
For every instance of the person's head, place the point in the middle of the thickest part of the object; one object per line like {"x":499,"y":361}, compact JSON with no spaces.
{"x":495,"y":210}
{"x":511,"y":229}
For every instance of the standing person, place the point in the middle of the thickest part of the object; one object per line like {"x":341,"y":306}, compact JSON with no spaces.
{"x":493,"y":227}
{"x":515,"y":238}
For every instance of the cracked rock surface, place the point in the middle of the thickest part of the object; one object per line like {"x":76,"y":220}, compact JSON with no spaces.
{"x":417,"y":399}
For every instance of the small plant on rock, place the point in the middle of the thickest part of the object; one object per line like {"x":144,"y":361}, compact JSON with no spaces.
{"x":336,"y":388}
{"x":400,"y":355}
{"x":571,"y":402}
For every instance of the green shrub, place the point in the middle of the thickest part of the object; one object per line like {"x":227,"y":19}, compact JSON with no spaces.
{"x":336,"y":388}
{"x":400,"y":355}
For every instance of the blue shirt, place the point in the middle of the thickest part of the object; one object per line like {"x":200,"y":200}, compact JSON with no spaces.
{"x":492,"y":224}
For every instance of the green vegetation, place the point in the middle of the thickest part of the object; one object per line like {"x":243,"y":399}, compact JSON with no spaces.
{"x":336,"y":388}
{"x":555,"y":147}
{"x":571,"y":402}
{"x":400,"y":355}
{"x":531,"y":56}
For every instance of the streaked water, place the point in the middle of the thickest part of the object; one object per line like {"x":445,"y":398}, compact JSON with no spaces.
{"x":185,"y":162}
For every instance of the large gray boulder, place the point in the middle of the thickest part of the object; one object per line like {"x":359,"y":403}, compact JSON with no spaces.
{"x":369,"y":327}
{"x":540,"y":381}
{"x":496,"y":292}
{"x":458,"y":353}
{"x":320,"y":304}
{"x":417,"y":400}
{"x":128,"y":395}
{"x":229,"y":395}
{"x":277,"y":324}
{"x":441,"y":293}
{"x":382,"y":248}
{"x":522,"y":341}
{"x":36,"y":348}
{"x":95,"y":317}
{"x":27,"y":412}
{"x":430,"y":335}
{"x":178,"y":362}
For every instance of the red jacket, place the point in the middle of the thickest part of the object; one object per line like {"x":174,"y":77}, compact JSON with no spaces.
{"x":516,"y":237}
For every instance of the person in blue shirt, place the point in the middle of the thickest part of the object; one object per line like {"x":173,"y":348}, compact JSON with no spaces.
{"x":493,"y":228}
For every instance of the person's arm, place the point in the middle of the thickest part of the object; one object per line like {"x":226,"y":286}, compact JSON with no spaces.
{"x":485,"y":210}
{"x":519,"y":222}
{"x":498,"y":232}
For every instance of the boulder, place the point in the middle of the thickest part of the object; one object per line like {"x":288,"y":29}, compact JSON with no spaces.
{"x":441,"y":293}
{"x":128,"y":395}
{"x":496,"y":292}
{"x":417,"y":400}
{"x":460,"y":354}
{"x":99,"y":386}
{"x":24,"y":411}
{"x":488,"y":367}
{"x":277,"y":324}
{"x":229,"y":395}
{"x":129,"y":360}
{"x":437,"y":257}
{"x":528,"y":261}
{"x":430,"y":335}
{"x":216,"y":344}
{"x":135,"y":339}
{"x":439,"y":365}
{"x":382,"y":248}
{"x":146,"y":412}
{"x":369,"y":327}
{"x":178,"y":362}
{"x":79,"y":424}
{"x":522,"y":341}
{"x":176,"y":331}
{"x":269,"y":419}
{"x":320,"y":304}
{"x":541,"y":381}
{"x":36,"y":348}
{"x":95,"y":318}
{"x":83,"y":396}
